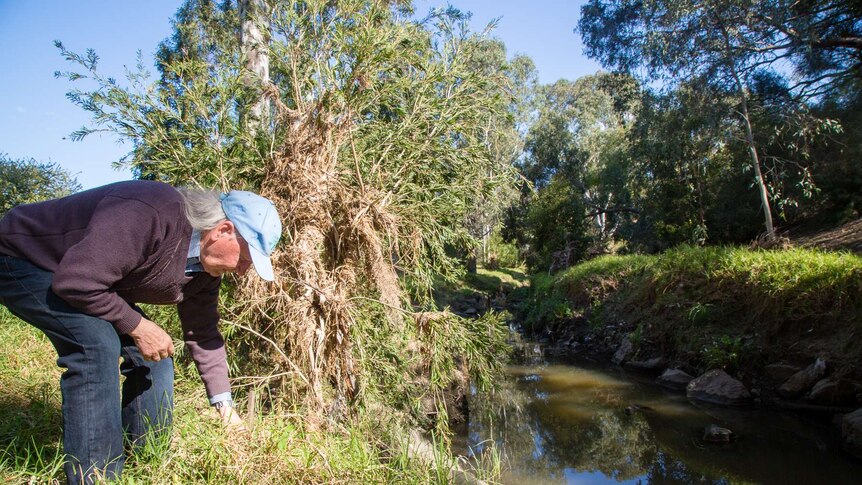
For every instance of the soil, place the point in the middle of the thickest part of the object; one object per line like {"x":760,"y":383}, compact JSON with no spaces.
{"x":812,"y":234}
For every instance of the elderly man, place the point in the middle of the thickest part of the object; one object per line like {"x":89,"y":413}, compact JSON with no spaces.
{"x":75,"y":267}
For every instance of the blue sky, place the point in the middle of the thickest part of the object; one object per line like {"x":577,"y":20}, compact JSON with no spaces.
{"x":36,"y":118}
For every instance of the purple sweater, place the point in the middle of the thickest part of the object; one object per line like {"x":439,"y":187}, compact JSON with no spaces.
{"x":119,"y":244}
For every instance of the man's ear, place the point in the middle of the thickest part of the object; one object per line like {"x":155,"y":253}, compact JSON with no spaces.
{"x":225,"y":228}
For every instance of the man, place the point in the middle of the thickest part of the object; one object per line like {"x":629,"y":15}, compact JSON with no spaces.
{"x":75,"y":267}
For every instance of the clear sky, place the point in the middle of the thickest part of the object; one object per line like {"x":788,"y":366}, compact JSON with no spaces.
{"x":36,"y":118}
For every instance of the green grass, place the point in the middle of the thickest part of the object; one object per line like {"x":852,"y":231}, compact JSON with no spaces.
{"x":483,"y":283}
{"x":716,"y":306}
{"x":279,"y":449}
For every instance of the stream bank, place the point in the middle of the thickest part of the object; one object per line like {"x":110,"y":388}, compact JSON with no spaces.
{"x":756,"y":328}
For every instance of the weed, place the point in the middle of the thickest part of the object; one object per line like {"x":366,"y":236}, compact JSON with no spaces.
{"x":724,"y":352}
{"x":637,"y":337}
{"x":700,"y":313}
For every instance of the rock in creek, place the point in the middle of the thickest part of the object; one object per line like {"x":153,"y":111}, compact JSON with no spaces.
{"x":674,"y":379}
{"x":716,"y":434}
{"x":777,"y":374}
{"x":718,"y":388}
{"x":833,"y":392}
{"x":636,"y":408}
{"x":851,"y":431}
{"x":799,"y":383}
{"x":624,"y":352}
{"x":654,"y":364}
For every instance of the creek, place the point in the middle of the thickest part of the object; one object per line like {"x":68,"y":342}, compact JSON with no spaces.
{"x":564,"y":420}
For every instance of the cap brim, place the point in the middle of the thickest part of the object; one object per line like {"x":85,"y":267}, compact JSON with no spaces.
{"x":262,"y":264}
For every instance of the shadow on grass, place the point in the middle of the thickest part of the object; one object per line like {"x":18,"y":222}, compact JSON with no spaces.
{"x":484,"y":282}
{"x":516,"y":275}
{"x":30,"y":432}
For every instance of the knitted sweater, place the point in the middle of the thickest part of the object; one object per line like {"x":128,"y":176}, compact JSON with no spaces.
{"x":120,"y":244}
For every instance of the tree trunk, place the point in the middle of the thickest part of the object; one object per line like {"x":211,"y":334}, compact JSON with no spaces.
{"x":486,"y":236}
{"x":253,"y":15}
{"x":471,"y":263}
{"x":749,"y":137}
{"x":755,"y":162}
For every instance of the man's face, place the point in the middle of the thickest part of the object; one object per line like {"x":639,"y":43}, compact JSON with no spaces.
{"x":223,"y":250}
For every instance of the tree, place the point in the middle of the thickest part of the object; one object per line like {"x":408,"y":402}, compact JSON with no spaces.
{"x":580,"y":138}
{"x":24,"y":181}
{"x":823,"y":40}
{"x":504,"y":139}
{"x":255,"y":51}
{"x":557,"y":226}
{"x":723,"y":44}
{"x":376,"y":151}
{"x":683,"y":171}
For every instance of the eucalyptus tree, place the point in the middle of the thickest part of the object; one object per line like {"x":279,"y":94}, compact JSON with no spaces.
{"x":723,"y":44}
{"x":376,"y":150}
{"x":822,"y":40}
{"x":504,"y":139}
{"x":682,"y":167}
{"x":26,"y":180}
{"x":580,"y":137}
{"x":254,"y":16}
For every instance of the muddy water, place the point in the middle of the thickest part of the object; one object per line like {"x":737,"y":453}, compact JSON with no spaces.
{"x":578,"y":423}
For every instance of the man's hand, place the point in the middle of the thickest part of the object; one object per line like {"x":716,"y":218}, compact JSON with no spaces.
{"x":231,"y":419}
{"x":153,"y":342}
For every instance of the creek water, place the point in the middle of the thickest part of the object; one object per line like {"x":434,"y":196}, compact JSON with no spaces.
{"x":572,"y":421}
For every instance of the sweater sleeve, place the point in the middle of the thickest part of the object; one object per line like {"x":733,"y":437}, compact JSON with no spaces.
{"x":199,"y":318}
{"x":119,"y":237}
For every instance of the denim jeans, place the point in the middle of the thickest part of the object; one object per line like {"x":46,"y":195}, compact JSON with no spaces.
{"x":97,"y":419}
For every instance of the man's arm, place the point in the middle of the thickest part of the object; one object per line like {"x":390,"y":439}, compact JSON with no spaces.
{"x":199,"y":318}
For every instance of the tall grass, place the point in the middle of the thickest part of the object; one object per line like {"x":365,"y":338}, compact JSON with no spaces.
{"x":367,"y":448}
{"x":716,"y":304}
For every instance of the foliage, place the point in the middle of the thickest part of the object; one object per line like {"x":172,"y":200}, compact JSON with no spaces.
{"x":503,"y":254}
{"x":721,"y":306}
{"x":557,"y":227}
{"x":23,"y":181}
{"x":687,"y":175}
{"x":732,"y":47}
{"x":384,"y":134}
{"x":502,"y":136}
{"x":680,"y":39}
{"x":663,"y":163}
{"x":834,"y":166}
{"x":724,"y":352}
{"x":279,"y":449}
{"x":578,"y":145}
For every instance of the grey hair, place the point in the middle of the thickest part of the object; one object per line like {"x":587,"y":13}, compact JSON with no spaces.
{"x":203,"y":207}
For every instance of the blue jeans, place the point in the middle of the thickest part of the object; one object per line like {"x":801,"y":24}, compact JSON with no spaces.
{"x":97,"y":420}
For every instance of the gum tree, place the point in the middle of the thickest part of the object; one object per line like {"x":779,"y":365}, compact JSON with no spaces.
{"x":724,"y":45}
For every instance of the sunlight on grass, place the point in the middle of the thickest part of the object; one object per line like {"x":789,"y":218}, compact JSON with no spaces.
{"x":278,"y":448}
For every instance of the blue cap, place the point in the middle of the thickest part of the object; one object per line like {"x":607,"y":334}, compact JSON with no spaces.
{"x":258,"y":223}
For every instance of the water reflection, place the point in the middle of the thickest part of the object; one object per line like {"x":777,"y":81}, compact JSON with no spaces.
{"x":576,"y":424}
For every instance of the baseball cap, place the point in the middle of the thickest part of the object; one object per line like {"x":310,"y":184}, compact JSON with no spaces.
{"x":257,"y":221}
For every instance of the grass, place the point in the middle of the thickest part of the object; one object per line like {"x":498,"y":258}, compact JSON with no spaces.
{"x":716,"y":306}
{"x":477,"y":286}
{"x":30,"y":418}
{"x":279,"y":449}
